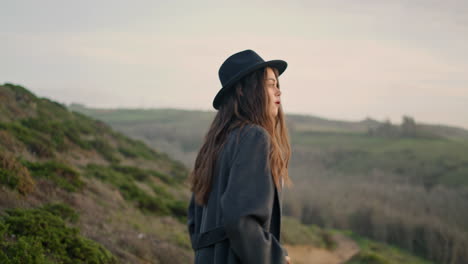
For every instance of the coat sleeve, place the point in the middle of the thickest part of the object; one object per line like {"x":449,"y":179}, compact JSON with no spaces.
{"x":191,"y":217}
{"x":248,"y":200}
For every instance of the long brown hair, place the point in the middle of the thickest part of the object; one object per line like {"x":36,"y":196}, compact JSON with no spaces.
{"x":247,"y":103}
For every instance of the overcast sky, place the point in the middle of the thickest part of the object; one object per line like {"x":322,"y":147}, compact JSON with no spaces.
{"x":347,"y":60}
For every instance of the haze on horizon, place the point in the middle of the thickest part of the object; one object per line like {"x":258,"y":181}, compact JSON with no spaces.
{"x":379,"y":59}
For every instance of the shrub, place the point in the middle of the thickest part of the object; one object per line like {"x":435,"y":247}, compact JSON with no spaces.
{"x":36,"y":143}
{"x":178,"y":170}
{"x":144,"y":201}
{"x":21,"y":92}
{"x":178,"y":209}
{"x":38,"y":236}
{"x":366,"y":257}
{"x":14,"y":175}
{"x":103,"y":148}
{"x":127,"y":152}
{"x":53,"y":128}
{"x":135,"y":172}
{"x":124,"y":177}
{"x":59,"y":173}
{"x":62,"y":210}
{"x":135,"y":148}
{"x":164,"y":177}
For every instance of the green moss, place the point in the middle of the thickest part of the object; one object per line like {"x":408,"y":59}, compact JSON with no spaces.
{"x":38,"y":236}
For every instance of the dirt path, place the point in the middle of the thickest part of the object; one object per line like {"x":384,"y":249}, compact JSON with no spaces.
{"x":302,"y":254}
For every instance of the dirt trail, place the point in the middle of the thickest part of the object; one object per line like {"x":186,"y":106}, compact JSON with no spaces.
{"x":303,"y":254}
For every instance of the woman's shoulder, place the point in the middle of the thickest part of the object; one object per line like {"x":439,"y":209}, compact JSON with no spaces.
{"x":248,"y":138}
{"x":250,"y":129}
{"x":249,"y":132}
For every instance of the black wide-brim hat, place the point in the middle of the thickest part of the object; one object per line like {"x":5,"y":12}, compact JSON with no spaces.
{"x":239,"y":65}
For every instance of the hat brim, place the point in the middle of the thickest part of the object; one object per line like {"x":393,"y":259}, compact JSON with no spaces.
{"x":281,"y":65}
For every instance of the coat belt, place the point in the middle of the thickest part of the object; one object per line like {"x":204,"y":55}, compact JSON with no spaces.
{"x":208,"y":238}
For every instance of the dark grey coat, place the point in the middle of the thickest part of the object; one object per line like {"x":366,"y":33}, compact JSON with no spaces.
{"x":245,"y":201}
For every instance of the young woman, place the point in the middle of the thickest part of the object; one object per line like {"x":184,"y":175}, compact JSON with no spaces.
{"x":234,"y":214}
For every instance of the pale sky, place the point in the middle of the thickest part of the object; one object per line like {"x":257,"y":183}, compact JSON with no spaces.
{"x":347,"y":60}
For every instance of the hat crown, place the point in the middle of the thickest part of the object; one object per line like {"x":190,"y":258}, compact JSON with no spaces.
{"x":236,"y":63}
{"x":239,"y":65}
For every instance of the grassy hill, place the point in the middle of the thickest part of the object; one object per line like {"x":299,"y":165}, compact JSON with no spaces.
{"x":73,"y":190}
{"x":403,"y":184}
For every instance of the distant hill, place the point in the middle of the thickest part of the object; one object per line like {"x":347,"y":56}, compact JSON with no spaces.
{"x":403,"y":184}
{"x":180,"y":133}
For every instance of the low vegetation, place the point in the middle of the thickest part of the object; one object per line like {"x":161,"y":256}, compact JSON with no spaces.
{"x":293,"y":232}
{"x":42,"y":235}
{"x":55,"y":163}
{"x":379,"y":253}
{"x":124,"y":178}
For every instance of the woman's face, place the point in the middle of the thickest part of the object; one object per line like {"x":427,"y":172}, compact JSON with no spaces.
{"x":274,"y":93}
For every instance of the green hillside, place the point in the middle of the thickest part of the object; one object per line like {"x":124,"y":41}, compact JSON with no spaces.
{"x":73,"y":190}
{"x":403,"y":184}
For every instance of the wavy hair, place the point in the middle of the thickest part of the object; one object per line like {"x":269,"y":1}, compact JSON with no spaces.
{"x":246,"y":103}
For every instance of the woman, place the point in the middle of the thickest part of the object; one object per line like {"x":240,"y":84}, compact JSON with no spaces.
{"x":234,"y":214}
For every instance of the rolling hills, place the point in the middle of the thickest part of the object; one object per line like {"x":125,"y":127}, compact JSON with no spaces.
{"x":402,"y":184}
